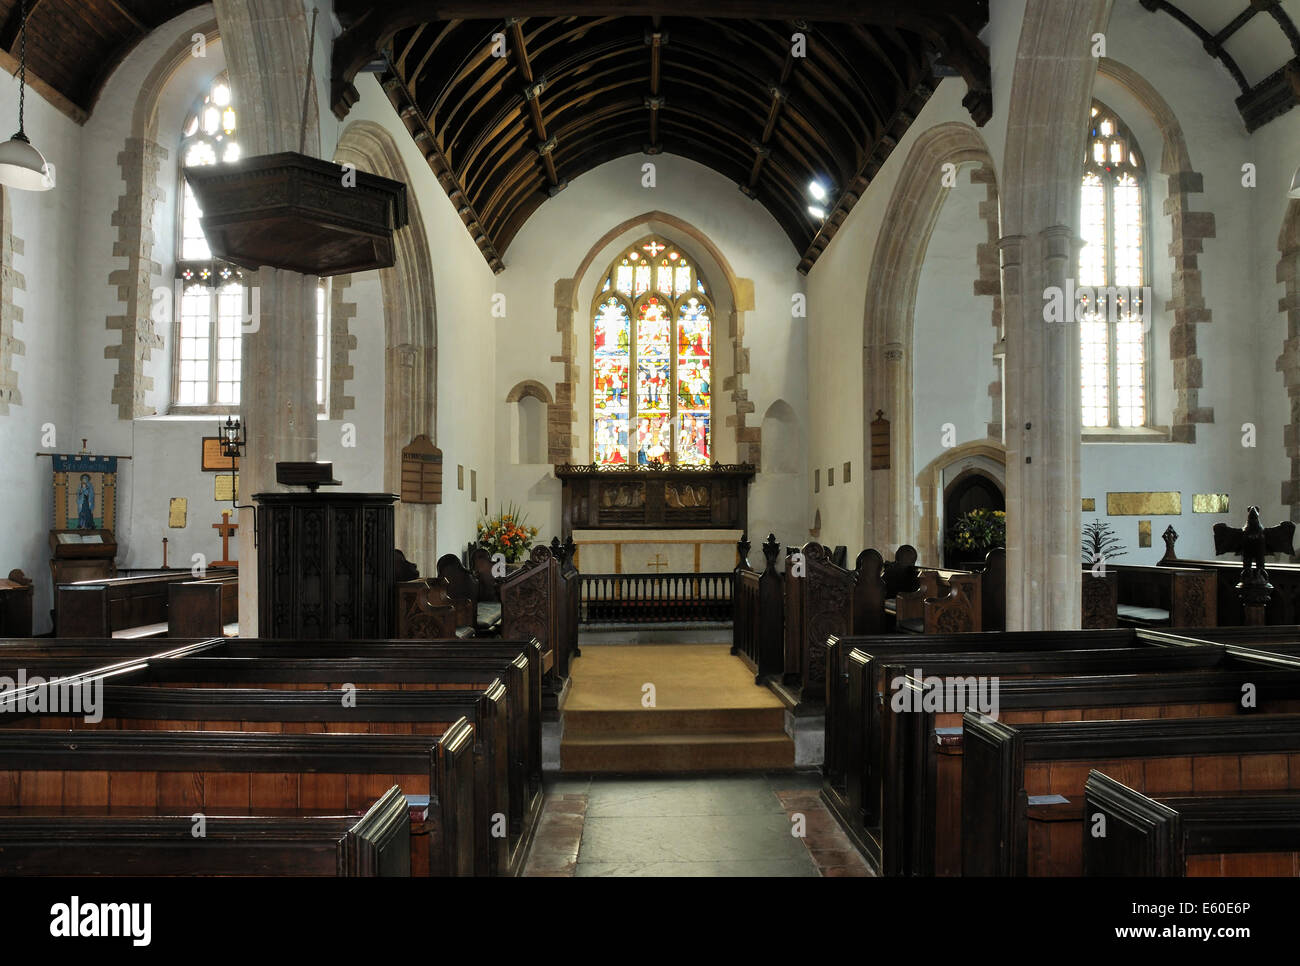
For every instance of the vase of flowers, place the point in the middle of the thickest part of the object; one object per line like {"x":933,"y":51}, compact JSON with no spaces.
{"x":507,"y":533}
{"x":975,"y":533}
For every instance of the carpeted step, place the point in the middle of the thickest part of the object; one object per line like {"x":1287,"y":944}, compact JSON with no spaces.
{"x":649,"y":753}
{"x":674,"y":721}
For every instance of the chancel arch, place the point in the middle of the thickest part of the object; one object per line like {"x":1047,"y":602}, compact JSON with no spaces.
{"x":411,"y":339}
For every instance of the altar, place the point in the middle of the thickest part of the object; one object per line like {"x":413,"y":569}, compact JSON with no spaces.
{"x":655,"y":552}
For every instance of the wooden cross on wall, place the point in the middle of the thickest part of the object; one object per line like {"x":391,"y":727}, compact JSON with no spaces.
{"x":227,"y":530}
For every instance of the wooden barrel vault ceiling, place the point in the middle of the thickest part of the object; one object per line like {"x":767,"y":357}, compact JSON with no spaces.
{"x":721,"y":86}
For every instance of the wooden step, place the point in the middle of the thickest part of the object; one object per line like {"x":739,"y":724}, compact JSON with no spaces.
{"x":687,"y":752}
{"x":674,"y":721}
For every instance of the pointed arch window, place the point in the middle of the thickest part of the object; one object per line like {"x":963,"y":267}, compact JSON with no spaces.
{"x":652,"y":360}
{"x":213,"y":299}
{"x":1114,"y":342}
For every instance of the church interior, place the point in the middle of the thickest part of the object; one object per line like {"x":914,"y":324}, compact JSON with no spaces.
{"x":740,"y":438}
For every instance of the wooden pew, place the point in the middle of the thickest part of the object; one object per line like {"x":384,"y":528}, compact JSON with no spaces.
{"x":921,"y":808}
{"x":946,"y":602}
{"x":1023,"y":785}
{"x":136,"y":708}
{"x":159,"y":841}
{"x":530,"y":609}
{"x":1165,"y":596}
{"x":759,"y":613}
{"x":854,"y":762}
{"x":203,"y":608}
{"x":427,"y":610}
{"x":119,"y":606}
{"x":1246,"y":834}
{"x":1283,"y":607}
{"x":818,"y":604}
{"x":569,"y":608}
{"x":201,"y":771}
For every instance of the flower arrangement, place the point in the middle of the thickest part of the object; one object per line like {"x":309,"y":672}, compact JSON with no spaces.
{"x":506,"y":534}
{"x":979,"y":530}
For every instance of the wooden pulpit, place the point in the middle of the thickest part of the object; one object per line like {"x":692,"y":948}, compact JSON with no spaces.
{"x":325,"y":565}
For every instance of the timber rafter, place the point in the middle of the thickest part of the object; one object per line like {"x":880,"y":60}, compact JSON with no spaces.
{"x":509,"y":103}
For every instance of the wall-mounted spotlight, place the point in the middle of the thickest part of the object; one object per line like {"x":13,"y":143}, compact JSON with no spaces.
{"x":817,"y":190}
{"x":817,"y":212}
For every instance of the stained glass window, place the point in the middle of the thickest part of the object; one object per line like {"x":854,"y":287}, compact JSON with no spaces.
{"x":652,"y":360}
{"x":1113,"y":338}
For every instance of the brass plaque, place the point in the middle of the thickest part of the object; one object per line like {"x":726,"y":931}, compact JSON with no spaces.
{"x":213,"y":461}
{"x":176,"y":512}
{"x":1210,"y":503}
{"x":1089,"y":504}
{"x":225,"y":487}
{"x":1166,"y":503}
{"x":1144,"y":533}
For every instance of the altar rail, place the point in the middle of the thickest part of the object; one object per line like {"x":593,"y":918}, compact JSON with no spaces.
{"x":642,"y":598}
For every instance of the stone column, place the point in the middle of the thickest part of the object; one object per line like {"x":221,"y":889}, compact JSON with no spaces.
{"x":265,"y":42}
{"x":1043,"y":430}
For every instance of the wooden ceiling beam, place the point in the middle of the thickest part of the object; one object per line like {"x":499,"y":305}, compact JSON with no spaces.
{"x":13,"y":25}
{"x":371,"y":29}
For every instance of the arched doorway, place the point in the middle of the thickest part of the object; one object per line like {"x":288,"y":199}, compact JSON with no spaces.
{"x":972,"y":489}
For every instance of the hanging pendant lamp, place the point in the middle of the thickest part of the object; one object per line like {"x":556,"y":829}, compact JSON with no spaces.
{"x":21,"y":165}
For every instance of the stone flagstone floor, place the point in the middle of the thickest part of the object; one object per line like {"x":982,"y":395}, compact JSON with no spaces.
{"x":712,"y":825}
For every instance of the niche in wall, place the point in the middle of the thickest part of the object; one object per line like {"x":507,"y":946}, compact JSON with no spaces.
{"x":972,"y":489}
{"x":528,"y":405}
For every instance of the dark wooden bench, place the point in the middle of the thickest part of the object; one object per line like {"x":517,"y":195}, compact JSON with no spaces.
{"x":131,"y":841}
{"x":199,"y":772}
{"x":1283,"y":607}
{"x":203,"y":608}
{"x":1023,"y":785}
{"x":1164,"y":596}
{"x":922,"y":793}
{"x":126,"y":607}
{"x":758,"y":615}
{"x":1254,"y":833}
{"x":945,"y":602}
{"x":137,"y":708}
{"x":854,"y":764}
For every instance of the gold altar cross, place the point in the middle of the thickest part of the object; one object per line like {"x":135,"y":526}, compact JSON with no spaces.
{"x":658,"y":563}
{"x":226,"y":529}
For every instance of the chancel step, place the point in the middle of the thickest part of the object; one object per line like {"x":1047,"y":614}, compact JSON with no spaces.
{"x":651,"y":753}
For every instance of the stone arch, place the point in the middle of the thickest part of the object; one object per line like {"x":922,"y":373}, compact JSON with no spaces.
{"x":1288,"y":363}
{"x":1050,"y":97}
{"x":930,"y":482}
{"x":140,"y":161}
{"x":530,"y":387}
{"x":1188,"y":230}
{"x":564,"y":414}
{"x":888,"y":317}
{"x":411,"y":338}
{"x":781,"y":430}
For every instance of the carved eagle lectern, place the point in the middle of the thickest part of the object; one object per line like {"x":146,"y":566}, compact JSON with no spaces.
{"x":1253,"y":542}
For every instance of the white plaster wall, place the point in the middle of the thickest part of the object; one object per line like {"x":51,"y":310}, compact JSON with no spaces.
{"x":463,"y":288}
{"x":837,"y":292}
{"x":552,"y":244}
{"x":953,"y":336}
{"x":48,"y":223}
{"x":1201,"y":94}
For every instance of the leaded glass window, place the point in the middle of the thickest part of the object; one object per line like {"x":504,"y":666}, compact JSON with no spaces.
{"x":1113,"y":341}
{"x":652,"y":360}
{"x":214,"y":302}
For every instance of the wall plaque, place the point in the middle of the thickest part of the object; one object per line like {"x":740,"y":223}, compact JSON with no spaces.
{"x":421,"y":471}
{"x":880,"y":441}
{"x":1164,"y":503}
{"x":213,"y":460}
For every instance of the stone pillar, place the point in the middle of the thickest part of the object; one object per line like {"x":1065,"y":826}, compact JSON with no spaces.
{"x":265,"y":42}
{"x":1043,"y":430}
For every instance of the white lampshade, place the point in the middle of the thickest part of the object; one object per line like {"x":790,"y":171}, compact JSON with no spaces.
{"x":22,"y":166}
